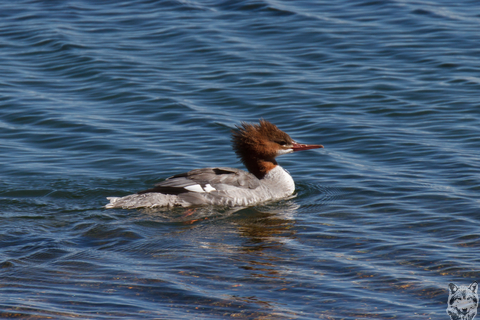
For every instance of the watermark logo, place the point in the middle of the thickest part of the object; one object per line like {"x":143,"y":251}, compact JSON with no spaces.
{"x":462,"y":301}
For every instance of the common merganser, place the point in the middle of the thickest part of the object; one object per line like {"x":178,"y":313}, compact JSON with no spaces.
{"x":256,"y":145}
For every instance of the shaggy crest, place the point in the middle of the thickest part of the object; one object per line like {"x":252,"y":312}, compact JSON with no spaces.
{"x":258,"y":144}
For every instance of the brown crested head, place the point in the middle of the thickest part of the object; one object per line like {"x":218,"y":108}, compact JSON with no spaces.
{"x":257,"y":145}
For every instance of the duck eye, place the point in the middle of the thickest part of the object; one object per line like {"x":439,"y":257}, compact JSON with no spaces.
{"x":282,"y":143}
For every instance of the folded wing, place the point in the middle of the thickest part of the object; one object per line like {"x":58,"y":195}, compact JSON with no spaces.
{"x":205,"y":181}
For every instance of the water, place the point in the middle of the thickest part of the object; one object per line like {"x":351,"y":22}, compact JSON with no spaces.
{"x":105,"y":99}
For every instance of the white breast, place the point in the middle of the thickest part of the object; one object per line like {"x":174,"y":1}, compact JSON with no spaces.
{"x":281,"y":183}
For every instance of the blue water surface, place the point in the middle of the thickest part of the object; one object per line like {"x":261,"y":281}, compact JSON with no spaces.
{"x":105,"y":98}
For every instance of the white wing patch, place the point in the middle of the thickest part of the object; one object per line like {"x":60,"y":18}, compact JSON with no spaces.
{"x":198,"y":188}
{"x":209,"y":188}
{"x":195,"y":188}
